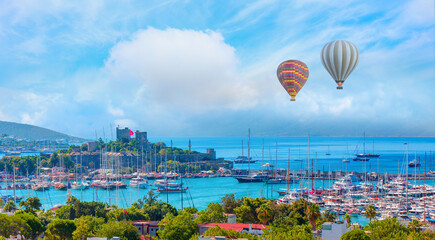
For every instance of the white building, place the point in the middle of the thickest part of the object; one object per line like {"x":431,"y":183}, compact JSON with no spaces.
{"x":334,"y":230}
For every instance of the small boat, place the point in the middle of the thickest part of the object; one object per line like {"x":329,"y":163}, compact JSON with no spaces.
{"x":328,"y":153}
{"x":414,"y":163}
{"x":346,"y":160}
{"x":79,"y":185}
{"x":361,"y":159}
{"x":40,"y":187}
{"x":167,"y":183}
{"x":172,"y":190}
{"x":252,"y":178}
{"x":120,"y":184}
{"x":138,"y":183}
{"x":127,"y":176}
{"x":60,"y":186}
{"x":276,"y":180}
{"x":368,"y":155}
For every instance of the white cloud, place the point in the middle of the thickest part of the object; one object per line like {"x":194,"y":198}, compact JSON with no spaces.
{"x":117,"y":112}
{"x":191,"y":71}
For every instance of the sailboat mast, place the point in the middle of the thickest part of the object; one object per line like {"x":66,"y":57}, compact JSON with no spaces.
{"x":288,"y":169}
{"x":308,"y":160}
{"x":407,"y":162}
{"x":166,"y":177}
{"x":315,"y":171}
{"x":262,"y":153}
{"x":364,"y":143}
{"x":276,"y":158}
{"x":249,"y":145}
{"x":424,"y":189}
{"x":242,"y":149}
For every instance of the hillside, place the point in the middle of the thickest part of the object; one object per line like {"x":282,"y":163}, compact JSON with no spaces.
{"x":30,"y":132}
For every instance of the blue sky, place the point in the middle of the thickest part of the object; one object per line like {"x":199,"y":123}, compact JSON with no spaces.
{"x":208,"y":68}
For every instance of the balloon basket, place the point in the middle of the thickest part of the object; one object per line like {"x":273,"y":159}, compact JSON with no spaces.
{"x":292,"y":99}
{"x":340,"y":87}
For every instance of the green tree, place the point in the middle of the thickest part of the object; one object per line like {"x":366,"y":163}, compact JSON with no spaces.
{"x":123,"y":229}
{"x":13,"y":225}
{"x":355,"y":234}
{"x":247,"y":213}
{"x":329,"y":216}
{"x":9,"y":206}
{"x":313,"y":213}
{"x":61,"y":229}
{"x":158,"y":210}
{"x":414,"y":225}
{"x":347,"y":219}
{"x":82,"y":231}
{"x":46,"y":217}
{"x":265,"y":213}
{"x":389,"y":228}
{"x":181,"y":227}
{"x":229,"y":202}
{"x":150,"y":199}
{"x":370,"y":212}
{"x":31,"y":204}
{"x":1,"y":202}
{"x":35,"y":225}
{"x":128,"y":214}
{"x":214,"y":213}
{"x":297,"y":232}
{"x":231,"y":234}
{"x":87,"y":226}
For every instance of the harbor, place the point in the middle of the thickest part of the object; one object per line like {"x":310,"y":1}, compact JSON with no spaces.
{"x":322,"y":180}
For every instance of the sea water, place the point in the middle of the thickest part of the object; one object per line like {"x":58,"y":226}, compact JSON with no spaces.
{"x":203,"y":191}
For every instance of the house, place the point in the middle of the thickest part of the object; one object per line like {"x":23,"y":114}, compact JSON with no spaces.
{"x":256,"y":229}
{"x":333,"y":230}
{"x":146,"y":227}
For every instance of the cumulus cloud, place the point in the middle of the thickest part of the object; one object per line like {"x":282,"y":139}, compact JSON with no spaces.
{"x":192,"y":70}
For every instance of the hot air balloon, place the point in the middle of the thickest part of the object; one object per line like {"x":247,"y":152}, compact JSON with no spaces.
{"x":292,"y":75}
{"x":340,"y":58}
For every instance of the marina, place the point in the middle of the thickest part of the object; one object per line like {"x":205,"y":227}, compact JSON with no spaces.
{"x":395,"y":193}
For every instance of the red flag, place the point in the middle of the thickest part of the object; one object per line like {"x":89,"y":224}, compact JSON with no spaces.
{"x":131,"y":133}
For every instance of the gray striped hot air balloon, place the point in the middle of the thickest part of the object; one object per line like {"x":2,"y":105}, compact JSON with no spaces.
{"x":339,"y":58}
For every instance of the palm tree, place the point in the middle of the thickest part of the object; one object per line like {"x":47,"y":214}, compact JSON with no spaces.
{"x":313,"y":213}
{"x":347,"y":218}
{"x":9,"y":206}
{"x":370,"y":212}
{"x":264,"y":213}
{"x":414,"y":225}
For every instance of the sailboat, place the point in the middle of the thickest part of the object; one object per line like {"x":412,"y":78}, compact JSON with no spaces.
{"x":254,"y":177}
{"x":345,"y":160}
{"x":244,"y":159}
{"x":415,"y":162}
{"x":169,"y":186}
{"x":328,"y":153}
{"x":368,"y":155}
{"x":362,"y":157}
{"x":76,"y":185}
{"x":40,"y":186}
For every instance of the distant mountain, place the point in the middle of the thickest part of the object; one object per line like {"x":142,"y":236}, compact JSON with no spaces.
{"x":30,"y":132}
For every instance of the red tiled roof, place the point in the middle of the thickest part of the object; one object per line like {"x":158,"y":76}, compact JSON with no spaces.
{"x":234,"y":226}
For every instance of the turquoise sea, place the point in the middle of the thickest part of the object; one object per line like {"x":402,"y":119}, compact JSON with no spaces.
{"x":202,"y":191}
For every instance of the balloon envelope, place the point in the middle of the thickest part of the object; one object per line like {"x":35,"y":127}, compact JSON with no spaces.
{"x":292,"y":75}
{"x":339,"y":58}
